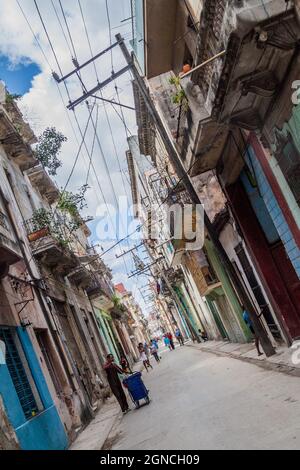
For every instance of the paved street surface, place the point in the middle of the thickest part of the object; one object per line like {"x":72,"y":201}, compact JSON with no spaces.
{"x":202,"y":401}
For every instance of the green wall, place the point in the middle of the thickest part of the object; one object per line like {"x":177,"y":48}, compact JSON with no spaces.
{"x":106,"y":332}
{"x":227,"y":288}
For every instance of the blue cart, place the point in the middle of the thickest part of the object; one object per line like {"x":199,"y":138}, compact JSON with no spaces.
{"x":136,"y":388}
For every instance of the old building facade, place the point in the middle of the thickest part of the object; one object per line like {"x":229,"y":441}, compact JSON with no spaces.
{"x":56,"y":303}
{"x":234,"y":124}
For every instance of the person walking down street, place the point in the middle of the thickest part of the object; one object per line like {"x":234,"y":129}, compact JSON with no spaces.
{"x":170,"y":336}
{"x":249,"y":323}
{"x":146,"y":349}
{"x":143,"y":356}
{"x":154,"y":352}
{"x":167,"y":342}
{"x":112,"y":372}
{"x":154,"y":341}
{"x":179,"y":337}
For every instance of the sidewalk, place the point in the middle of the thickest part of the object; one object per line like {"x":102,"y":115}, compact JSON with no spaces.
{"x":95,"y":434}
{"x":280,"y":362}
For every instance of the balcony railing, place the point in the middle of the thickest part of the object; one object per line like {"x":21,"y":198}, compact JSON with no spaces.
{"x":99,"y":287}
{"x":10,"y":252}
{"x":14,"y":144}
{"x":51,"y":246}
{"x":81,"y":277}
{"x":40,"y":179}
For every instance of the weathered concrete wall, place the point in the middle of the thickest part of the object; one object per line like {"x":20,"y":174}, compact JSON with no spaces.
{"x":8,"y":438}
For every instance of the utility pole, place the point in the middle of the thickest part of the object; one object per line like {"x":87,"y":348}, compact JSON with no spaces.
{"x":182,"y":174}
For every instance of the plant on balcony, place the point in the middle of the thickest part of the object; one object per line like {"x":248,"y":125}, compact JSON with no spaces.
{"x":63,"y":222}
{"x":40,"y":224}
{"x":48,"y":149}
{"x":179,"y":96}
{"x":44,"y":223}
{"x":71,"y":204}
{"x":119,"y":310}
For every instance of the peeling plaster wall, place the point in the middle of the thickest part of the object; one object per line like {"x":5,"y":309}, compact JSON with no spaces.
{"x":210,"y":193}
{"x":8,"y":438}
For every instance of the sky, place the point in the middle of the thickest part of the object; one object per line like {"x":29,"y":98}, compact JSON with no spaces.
{"x":27,"y":70}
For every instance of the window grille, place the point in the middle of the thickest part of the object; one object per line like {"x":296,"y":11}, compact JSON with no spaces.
{"x":18,"y":374}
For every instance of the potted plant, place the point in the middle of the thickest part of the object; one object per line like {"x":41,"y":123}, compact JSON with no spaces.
{"x":41,"y":221}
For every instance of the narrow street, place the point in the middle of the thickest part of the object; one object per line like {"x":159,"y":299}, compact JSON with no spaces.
{"x":149,"y":195}
{"x":201,"y":401}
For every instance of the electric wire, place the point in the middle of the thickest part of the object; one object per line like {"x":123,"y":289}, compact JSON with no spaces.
{"x":96,"y":134}
{"x":110,"y":35}
{"x":105,"y":109}
{"x":76,"y":119}
{"x":68,"y":29}
{"x":60,"y":94}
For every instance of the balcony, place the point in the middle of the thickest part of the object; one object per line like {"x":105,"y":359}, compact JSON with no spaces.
{"x":99,"y":290}
{"x":146,"y":127}
{"x":14,"y":144}
{"x":203,"y":274}
{"x":242,"y":87}
{"x":50,"y":248}
{"x":43,"y":183}
{"x":81,"y":277}
{"x":10,"y":252}
{"x":16,"y":117}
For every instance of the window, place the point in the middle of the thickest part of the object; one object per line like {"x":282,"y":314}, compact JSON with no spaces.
{"x":43,"y":340}
{"x":20,"y":373}
{"x":88,"y":326}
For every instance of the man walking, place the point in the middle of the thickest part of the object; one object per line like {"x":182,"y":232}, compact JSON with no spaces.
{"x":154,"y":352}
{"x":167,"y":342}
{"x":113,"y":371}
{"x":249,"y":323}
{"x":144,"y":357}
{"x":170,"y":336}
{"x":179,"y":337}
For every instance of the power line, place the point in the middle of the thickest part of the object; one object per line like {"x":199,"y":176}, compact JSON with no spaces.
{"x":76,"y":119}
{"x":88,"y":39}
{"x":95,"y":127}
{"x":80,"y":147}
{"x":68,"y":30}
{"x":61,"y":26}
{"x":61,"y":97}
{"x":110,"y":35}
{"x":105,"y":110}
{"x":92,"y":149}
{"x":82,"y":135}
{"x":47,"y":35}
{"x":34,"y":35}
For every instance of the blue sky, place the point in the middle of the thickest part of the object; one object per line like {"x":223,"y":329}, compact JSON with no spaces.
{"x":18,"y":77}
